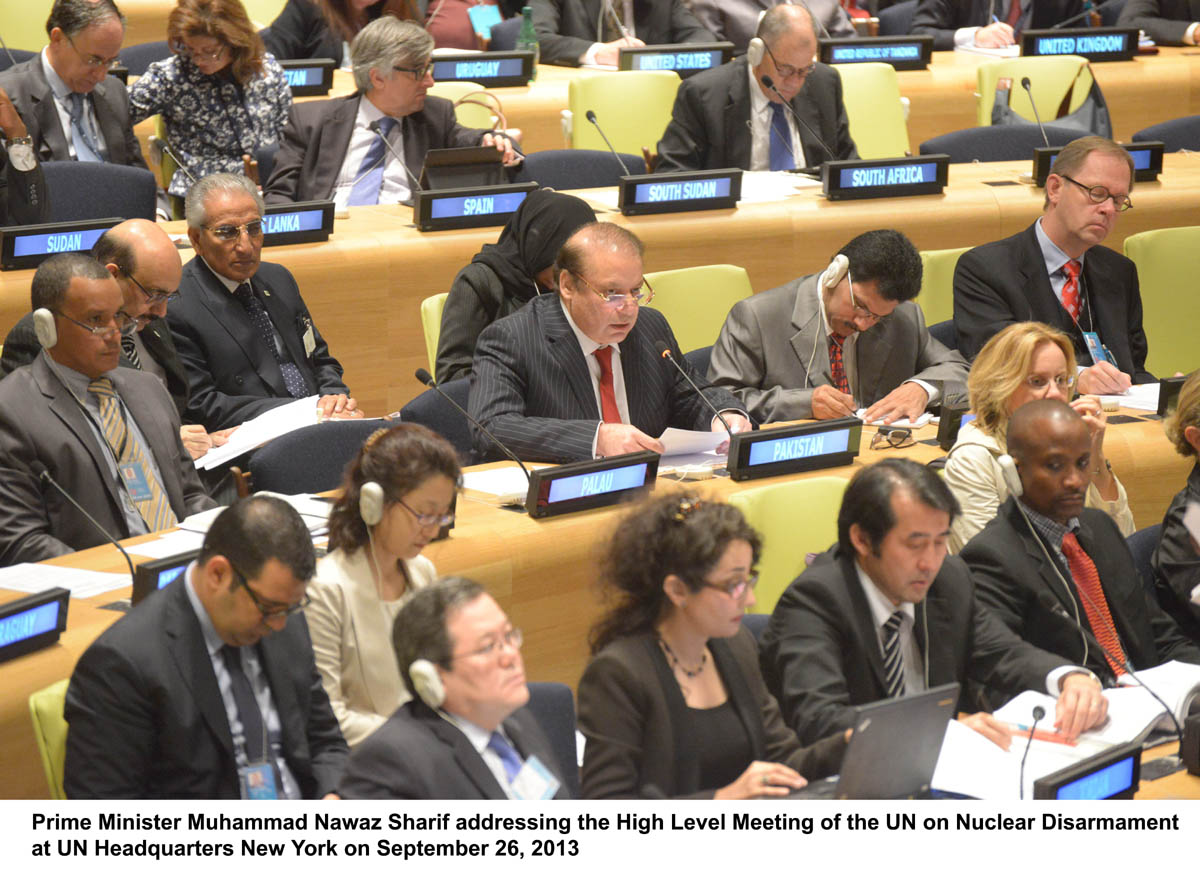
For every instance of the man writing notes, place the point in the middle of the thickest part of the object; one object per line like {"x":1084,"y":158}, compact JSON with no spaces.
{"x":581,"y":374}
{"x":826,"y":344}
{"x":989,"y":24}
{"x":575,"y":32}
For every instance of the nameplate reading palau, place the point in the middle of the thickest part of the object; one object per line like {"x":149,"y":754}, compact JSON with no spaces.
{"x":885,"y":178}
{"x":778,"y":451}
{"x":573,"y":487}
{"x":675,"y":193}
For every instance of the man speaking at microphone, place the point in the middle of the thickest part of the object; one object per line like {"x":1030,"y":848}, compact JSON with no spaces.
{"x":730,"y":117}
{"x":582,"y":374}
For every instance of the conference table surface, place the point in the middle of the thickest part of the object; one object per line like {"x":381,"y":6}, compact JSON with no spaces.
{"x":543,"y":572}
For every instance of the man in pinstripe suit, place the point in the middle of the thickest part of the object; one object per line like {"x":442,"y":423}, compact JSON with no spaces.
{"x":581,"y":374}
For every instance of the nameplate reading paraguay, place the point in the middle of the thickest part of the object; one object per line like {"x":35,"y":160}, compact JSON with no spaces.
{"x":33,"y":621}
{"x":885,"y":178}
{"x":903,"y":53}
{"x":1093,"y":43}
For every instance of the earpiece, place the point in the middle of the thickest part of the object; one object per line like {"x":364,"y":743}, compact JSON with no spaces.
{"x":427,"y":683}
{"x":838,"y":269}
{"x":755,"y":51}
{"x":44,"y":328}
{"x":1012,"y":479}
{"x":370,"y":503}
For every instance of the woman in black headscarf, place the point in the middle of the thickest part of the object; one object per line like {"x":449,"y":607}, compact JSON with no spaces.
{"x":504,"y":276}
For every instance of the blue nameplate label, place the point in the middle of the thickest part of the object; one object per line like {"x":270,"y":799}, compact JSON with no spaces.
{"x":885,"y":178}
{"x":573,"y":487}
{"x":674,"y":193}
{"x":150,"y":576}
{"x":799,"y":448}
{"x":469,"y":207}
{"x":1115,"y":773}
{"x":300,"y":223}
{"x":489,"y":69}
{"x":904,"y":53}
{"x":1093,"y":43}
{"x":309,"y":76}
{"x":1147,"y":160}
{"x":29,"y":246}
{"x":684,"y":59}
{"x":31,"y":622}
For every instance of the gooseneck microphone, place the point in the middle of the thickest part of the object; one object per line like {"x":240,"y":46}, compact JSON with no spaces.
{"x":47,"y":479}
{"x":770,"y":84}
{"x":591,"y":117}
{"x":1088,"y":9}
{"x":425,"y":378}
{"x":1039,"y":713}
{"x":1029,"y":89}
{"x":374,"y":129}
{"x":165,"y":145}
{"x":664,"y":351}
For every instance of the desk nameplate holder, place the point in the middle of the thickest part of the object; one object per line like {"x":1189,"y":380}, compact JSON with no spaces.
{"x":574,"y":487}
{"x":1147,"y":160}
{"x":32,"y":622}
{"x":684,"y":58}
{"x":910,"y":52}
{"x":304,"y":222}
{"x":30,"y":246}
{"x":467,"y":207}
{"x":1093,"y":43}
{"x":885,"y":178}
{"x":309,"y":77}
{"x":676,"y":193}
{"x":798,"y":448}
{"x":488,"y":69}
{"x":1114,"y":773}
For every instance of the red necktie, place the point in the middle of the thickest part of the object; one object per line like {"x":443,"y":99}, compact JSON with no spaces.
{"x":836,"y":367}
{"x":1087,"y":580}
{"x":608,"y":394}
{"x":1070,"y":290}
{"x":1014,"y":13}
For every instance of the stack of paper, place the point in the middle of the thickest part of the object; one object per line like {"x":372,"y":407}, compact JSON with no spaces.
{"x":32,"y":578}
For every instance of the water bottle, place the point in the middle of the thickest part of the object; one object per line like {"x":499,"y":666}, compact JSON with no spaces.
{"x":527,"y":40}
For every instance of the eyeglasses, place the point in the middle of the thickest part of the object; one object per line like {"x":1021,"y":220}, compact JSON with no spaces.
{"x":232,"y":233}
{"x":1100,"y":194}
{"x":418,"y":73}
{"x":896,"y":437}
{"x":1039,"y":383}
{"x":735,"y":589}
{"x":95,"y":60}
{"x":181,"y":48}
{"x":121,"y":323}
{"x":786,"y":71}
{"x":269,"y":609}
{"x":441,"y":520}
{"x":512,"y":638}
{"x":619,"y":298}
{"x":153,"y":298}
{"x":861,"y":310}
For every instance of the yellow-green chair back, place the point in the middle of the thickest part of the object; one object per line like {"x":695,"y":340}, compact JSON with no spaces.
{"x":871,"y":94}
{"x":263,"y":12}
{"x":937,"y":283}
{"x":24,"y":24}
{"x":1051,"y":77}
{"x":1168,"y":263}
{"x":431,"y":323}
{"x":50,"y":730}
{"x":697,"y":300}
{"x":794,"y":518}
{"x":474,"y":112}
{"x":633,"y":107}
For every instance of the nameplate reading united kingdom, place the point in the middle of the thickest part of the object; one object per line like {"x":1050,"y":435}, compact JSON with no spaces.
{"x":1093,"y":43}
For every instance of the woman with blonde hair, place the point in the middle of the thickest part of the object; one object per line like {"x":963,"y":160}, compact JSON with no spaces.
{"x":1022,"y":362}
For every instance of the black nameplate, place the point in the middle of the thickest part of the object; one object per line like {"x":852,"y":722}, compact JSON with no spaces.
{"x":470,"y":207}
{"x":950,"y":421}
{"x":489,"y":69}
{"x":150,"y":576}
{"x":1114,"y":773}
{"x":675,"y":193}
{"x":1093,"y":43}
{"x":573,"y":487}
{"x":309,"y":76}
{"x":1168,"y":394}
{"x":683,"y":58}
{"x":30,"y":246}
{"x":301,"y":223}
{"x":799,"y":448}
{"x":885,"y":178}
{"x":31,"y":622}
{"x":904,"y":53}
{"x":1147,"y":161}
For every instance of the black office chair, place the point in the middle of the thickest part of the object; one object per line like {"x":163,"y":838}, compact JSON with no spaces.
{"x":266,"y":162}
{"x":311,"y":459}
{"x":95,"y":190}
{"x":14,"y":56}
{"x":997,"y":143}
{"x":504,"y":35}
{"x":139,"y":57}
{"x":1176,"y":134}
{"x":945,"y":333}
{"x":576,"y":168}
{"x":699,"y":359}
{"x":756,"y":623}
{"x":1142,"y":544}
{"x":896,"y":20}
{"x":1110,"y":12}
{"x":553,"y":705}
{"x":431,"y":410}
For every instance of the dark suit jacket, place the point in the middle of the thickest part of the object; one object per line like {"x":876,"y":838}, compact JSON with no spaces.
{"x":531,"y":387}
{"x":22,"y":194}
{"x":232,"y":374}
{"x":1012,"y":576}
{"x":146,"y":716}
{"x":567,"y":28}
{"x":820,"y":653}
{"x":941,"y":18}
{"x":21,"y":347}
{"x":317,"y":136}
{"x":1176,"y":564}
{"x":710,"y":123}
{"x":43,"y":426}
{"x":300,"y":31}
{"x":1006,"y":282}
{"x":418,"y":755}
{"x":32,"y":96}
{"x":1164,"y":21}
{"x":639,"y":743}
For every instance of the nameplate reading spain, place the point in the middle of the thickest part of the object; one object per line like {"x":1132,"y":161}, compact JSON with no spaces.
{"x":885,"y":178}
{"x":903,"y":53}
{"x":32,"y":622}
{"x":1147,"y":160}
{"x":683,"y":59}
{"x":467,"y":207}
{"x":573,"y":487}
{"x":301,"y":223}
{"x":489,"y":69}
{"x":798,"y":448}
{"x":1093,"y":43}
{"x":675,"y":193}
{"x":309,"y":76}
{"x":30,"y":246}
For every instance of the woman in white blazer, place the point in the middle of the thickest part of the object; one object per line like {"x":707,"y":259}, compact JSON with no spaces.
{"x":396,"y":495}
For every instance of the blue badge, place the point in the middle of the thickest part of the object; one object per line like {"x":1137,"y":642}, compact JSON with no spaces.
{"x":136,"y":483}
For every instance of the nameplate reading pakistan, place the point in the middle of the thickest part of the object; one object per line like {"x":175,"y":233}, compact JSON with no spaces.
{"x":793,"y":449}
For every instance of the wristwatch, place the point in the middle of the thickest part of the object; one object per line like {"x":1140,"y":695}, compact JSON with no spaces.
{"x":20,"y":153}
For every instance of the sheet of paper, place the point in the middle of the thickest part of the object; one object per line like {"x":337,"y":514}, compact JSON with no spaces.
{"x":169,"y":544}
{"x":261,"y":430}
{"x":1143,"y":397}
{"x":199,"y":522}
{"x":1001,"y":52}
{"x":32,"y":578}
{"x":503,"y":485}
{"x":760,"y":187}
{"x":924,"y":419}
{"x":699,"y":458}
{"x":690,"y":441}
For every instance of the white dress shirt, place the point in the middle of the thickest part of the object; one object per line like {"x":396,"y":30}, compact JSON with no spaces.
{"x":760,"y":129}
{"x":396,"y":187}
{"x":62,"y":105}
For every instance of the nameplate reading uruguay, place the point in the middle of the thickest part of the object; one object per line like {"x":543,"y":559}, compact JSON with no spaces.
{"x":684,"y":60}
{"x":300,"y":223}
{"x":29,"y":246}
{"x":670,"y":193}
{"x":903,"y":53}
{"x":1093,"y":43}
{"x":310,"y":76}
{"x":885,"y":178}
{"x":490,"y":69}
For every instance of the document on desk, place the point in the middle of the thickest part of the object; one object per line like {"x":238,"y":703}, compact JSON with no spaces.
{"x":760,"y":187}
{"x":1132,"y":711}
{"x":1013,"y":51}
{"x":32,"y":578}
{"x":1143,"y":397}
{"x":502,"y":486}
{"x":677,"y":442}
{"x":172,"y":543}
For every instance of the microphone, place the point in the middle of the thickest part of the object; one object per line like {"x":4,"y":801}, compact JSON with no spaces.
{"x":770,"y":83}
{"x":664,"y":350}
{"x":1089,"y":8}
{"x":161,"y":143}
{"x":11,"y":60}
{"x":1028,"y":88}
{"x":47,"y":479}
{"x":591,"y":117}
{"x":425,"y":378}
{"x":374,"y":129}
{"x":1038,"y":714}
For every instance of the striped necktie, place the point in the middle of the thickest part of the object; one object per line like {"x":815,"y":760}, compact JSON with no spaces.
{"x":837,"y":365}
{"x":369,"y":182}
{"x":893,"y":667}
{"x":1087,"y":580}
{"x":129,"y":349}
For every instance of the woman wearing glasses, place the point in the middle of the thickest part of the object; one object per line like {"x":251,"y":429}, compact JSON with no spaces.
{"x":396,"y":495}
{"x":221,"y":95}
{"x":672,"y":702}
{"x":1022,"y":362}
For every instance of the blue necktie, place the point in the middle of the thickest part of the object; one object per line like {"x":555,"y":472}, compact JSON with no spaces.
{"x":370,"y":172}
{"x":509,"y":757}
{"x":87,"y":148}
{"x":781,"y":140}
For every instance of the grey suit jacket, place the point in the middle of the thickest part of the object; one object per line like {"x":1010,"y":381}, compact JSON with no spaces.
{"x":567,"y":28}
{"x":773,"y":350}
{"x":31,"y":94}
{"x":737,"y":20}
{"x":22,"y":194}
{"x":710,"y":123}
{"x":1165,"y":21}
{"x":317,"y":136}
{"x":42,"y":426}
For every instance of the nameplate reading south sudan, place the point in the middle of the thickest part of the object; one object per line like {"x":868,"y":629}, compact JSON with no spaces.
{"x":309,"y":76}
{"x":32,"y":622}
{"x":489,"y":69}
{"x":885,"y":178}
{"x":903,"y":53}
{"x":573,"y":487}
{"x":674,"y":193}
{"x":1093,"y":43}
{"x":777,"y":451}
{"x":299,"y":223}
{"x":684,"y":59}
{"x":467,"y":207}
{"x":30,"y":246}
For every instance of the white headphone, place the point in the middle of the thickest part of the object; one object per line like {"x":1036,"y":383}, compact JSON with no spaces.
{"x":755,"y":51}
{"x":370,"y":503}
{"x":427,"y":683}
{"x":838,"y":268}
{"x":44,"y":328}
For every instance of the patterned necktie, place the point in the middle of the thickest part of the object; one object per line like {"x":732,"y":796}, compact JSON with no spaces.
{"x":837,"y":368}
{"x":608,"y":394}
{"x":1070,"y":290}
{"x":87,"y":148}
{"x":155,"y":511}
{"x":292,"y":379}
{"x":509,"y":757}
{"x":781,"y":140}
{"x":369,"y":180}
{"x":129,"y":349}
{"x":253,"y":737}
{"x":1087,"y":580}
{"x":893,"y":667}
{"x":1014,"y":14}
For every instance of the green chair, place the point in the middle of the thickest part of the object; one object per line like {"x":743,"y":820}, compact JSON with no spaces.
{"x":431,"y":323}
{"x":697,"y":300}
{"x":794,"y":519}
{"x":263,"y":12}
{"x":472,"y":103}
{"x":633,"y":107}
{"x":1050,"y":79}
{"x":937,"y":283}
{"x":50,"y":730}
{"x":1168,"y":263}
{"x":875,"y":109}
